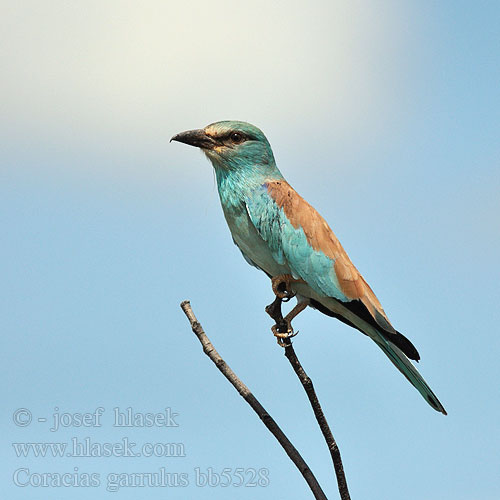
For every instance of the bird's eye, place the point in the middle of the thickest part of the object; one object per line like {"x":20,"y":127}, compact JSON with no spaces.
{"x":236,"y":137}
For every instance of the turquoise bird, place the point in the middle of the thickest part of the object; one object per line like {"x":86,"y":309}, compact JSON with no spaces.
{"x":279,"y":233}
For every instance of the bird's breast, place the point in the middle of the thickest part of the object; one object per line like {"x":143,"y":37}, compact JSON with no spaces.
{"x":249,"y":240}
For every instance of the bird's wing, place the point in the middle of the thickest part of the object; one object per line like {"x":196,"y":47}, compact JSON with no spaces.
{"x":297,"y":234}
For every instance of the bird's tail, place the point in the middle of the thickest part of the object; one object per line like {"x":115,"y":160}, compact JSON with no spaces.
{"x":335,"y":308}
{"x":405,"y":366}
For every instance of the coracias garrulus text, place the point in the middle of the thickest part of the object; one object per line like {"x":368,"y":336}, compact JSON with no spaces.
{"x":279,"y":233}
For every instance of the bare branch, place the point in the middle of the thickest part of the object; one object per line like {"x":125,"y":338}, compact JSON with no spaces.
{"x":274,"y":310}
{"x":322,"y":422}
{"x":268,"y":421}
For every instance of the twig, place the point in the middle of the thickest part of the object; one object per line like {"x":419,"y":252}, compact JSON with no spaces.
{"x":274,"y":310}
{"x":320,"y":417}
{"x":268,"y":421}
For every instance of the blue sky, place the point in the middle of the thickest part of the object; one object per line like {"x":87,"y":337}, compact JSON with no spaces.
{"x":383,"y":115}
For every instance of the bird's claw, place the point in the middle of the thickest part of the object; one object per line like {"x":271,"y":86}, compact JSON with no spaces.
{"x":282,"y":337}
{"x":281,"y":287}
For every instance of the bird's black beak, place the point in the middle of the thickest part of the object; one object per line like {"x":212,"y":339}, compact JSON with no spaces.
{"x":196,"y":138}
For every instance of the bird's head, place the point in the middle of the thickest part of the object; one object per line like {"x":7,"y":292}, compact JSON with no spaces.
{"x":231,"y":145}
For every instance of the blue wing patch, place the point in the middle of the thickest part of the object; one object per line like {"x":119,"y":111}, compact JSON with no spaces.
{"x":289,"y":245}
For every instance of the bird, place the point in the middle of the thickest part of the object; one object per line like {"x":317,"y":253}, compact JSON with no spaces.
{"x":281,"y":234}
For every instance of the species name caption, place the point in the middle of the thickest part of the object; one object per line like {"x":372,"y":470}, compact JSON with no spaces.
{"x":29,"y":475}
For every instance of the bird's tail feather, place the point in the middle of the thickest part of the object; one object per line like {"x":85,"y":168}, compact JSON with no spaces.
{"x":335,"y":308}
{"x":405,"y":366}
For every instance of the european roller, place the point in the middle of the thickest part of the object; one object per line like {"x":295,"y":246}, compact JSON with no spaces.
{"x":279,"y":233}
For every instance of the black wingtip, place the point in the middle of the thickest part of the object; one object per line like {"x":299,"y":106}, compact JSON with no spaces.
{"x":405,"y":345}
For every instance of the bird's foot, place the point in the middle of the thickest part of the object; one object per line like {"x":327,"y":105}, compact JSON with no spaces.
{"x":281,"y":286}
{"x":282,"y":328}
{"x":283,"y":338}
